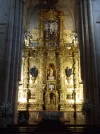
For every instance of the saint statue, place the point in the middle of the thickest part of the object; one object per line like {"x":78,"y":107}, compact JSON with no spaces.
{"x":51,"y":87}
{"x":51,"y":72}
{"x":52,"y":98}
{"x":34,"y":72}
{"x":68,"y":71}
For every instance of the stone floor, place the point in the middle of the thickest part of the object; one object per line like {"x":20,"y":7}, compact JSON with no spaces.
{"x":50,"y":127}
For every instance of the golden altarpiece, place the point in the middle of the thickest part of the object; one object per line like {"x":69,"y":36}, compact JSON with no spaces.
{"x":50,"y":77}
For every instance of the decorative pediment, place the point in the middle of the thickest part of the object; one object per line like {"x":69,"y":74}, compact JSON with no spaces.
{"x":51,"y":14}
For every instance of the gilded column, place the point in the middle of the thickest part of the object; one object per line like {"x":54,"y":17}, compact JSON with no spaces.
{"x":75,"y":80}
{"x":61,"y":18}
{"x":26,"y":70}
{"x":61,"y":63}
{"x":41,"y":29}
{"x":26,"y":75}
{"x":62,"y":80}
{"x":40,"y":79}
{"x":61,"y":56}
{"x":75,"y":69}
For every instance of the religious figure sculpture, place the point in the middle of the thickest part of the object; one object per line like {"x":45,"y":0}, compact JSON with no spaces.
{"x":68,"y":71}
{"x":51,"y":72}
{"x":34,"y":72}
{"x":27,"y":37}
{"x":52,"y":98}
{"x":51,"y":87}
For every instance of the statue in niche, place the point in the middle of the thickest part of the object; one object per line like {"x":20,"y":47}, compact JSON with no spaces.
{"x":52,"y":98}
{"x":68,"y":71}
{"x":27,"y":37}
{"x":51,"y":72}
{"x":34,"y":72}
{"x":51,"y":87}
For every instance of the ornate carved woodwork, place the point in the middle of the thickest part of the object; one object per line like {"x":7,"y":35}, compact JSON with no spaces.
{"x":51,"y":49}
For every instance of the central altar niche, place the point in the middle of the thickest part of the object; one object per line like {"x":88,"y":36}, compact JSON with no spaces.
{"x":51,"y":72}
{"x":51,"y":34}
{"x":51,"y":93}
{"x":50,"y":67}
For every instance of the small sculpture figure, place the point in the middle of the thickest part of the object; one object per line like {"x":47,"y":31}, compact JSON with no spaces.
{"x":52,"y":98}
{"x":68,"y":71}
{"x":51,"y":87}
{"x":51,"y":72}
{"x":34,"y":72}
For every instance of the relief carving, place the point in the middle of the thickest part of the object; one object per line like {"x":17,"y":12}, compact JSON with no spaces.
{"x":53,"y":61}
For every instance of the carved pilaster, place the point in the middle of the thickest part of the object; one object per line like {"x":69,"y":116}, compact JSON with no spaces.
{"x":75,"y":70}
{"x":61,"y":27}
{"x":22,"y":95}
{"x":62,"y":68}
{"x":41,"y":28}
{"x":40,"y":79}
{"x":62,"y":79}
{"x":26,"y":70}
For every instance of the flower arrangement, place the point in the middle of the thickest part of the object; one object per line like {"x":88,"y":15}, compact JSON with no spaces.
{"x":86,"y":107}
{"x":22,"y":120}
{"x":50,"y":115}
{"x":6,"y":111}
